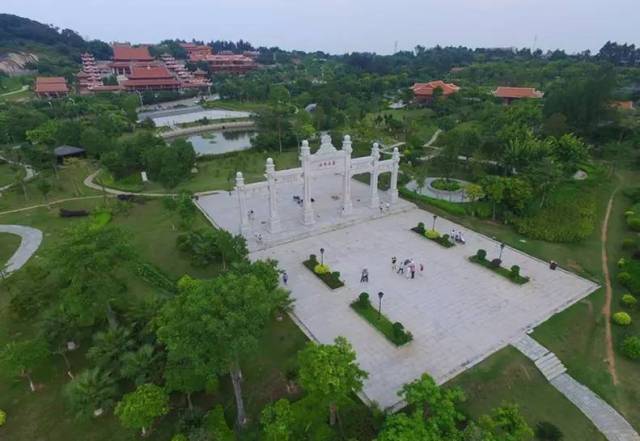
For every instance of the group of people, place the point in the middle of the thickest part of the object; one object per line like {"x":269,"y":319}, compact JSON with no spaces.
{"x":457,"y":236}
{"x":407,"y":268}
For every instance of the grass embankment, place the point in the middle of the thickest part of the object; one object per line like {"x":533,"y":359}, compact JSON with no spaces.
{"x":214,"y":172}
{"x":9,"y":243}
{"x":152,"y":231}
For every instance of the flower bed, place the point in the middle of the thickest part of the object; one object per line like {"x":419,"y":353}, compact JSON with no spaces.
{"x":433,"y":235}
{"x":445,"y":185}
{"x":331,"y":279}
{"x":512,"y":274}
{"x":394,"y":332}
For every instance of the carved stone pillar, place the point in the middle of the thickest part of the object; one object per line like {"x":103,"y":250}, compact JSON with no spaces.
{"x":245,"y":228}
{"x":347,"y":205}
{"x":393,"y":191}
{"x":305,"y":157}
{"x":375,"y":156}
{"x":274,"y":218}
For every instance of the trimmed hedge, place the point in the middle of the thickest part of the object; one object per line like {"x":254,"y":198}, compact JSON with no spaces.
{"x":331,"y":279}
{"x":433,"y":235}
{"x":394,"y":332}
{"x":154,"y":276}
{"x":621,"y":318}
{"x":449,"y":207}
{"x":446,"y":184}
{"x":494,"y":265}
{"x":629,"y":275}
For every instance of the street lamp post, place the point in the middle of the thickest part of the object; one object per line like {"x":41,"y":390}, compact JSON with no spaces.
{"x":501,"y":249}
{"x":380,"y":296}
{"x":433,"y":227}
{"x":321,"y":256}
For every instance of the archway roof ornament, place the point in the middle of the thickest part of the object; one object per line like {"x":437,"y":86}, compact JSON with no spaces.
{"x":326,"y":146}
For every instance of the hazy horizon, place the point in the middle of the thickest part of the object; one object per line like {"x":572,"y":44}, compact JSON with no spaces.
{"x":338,"y":26}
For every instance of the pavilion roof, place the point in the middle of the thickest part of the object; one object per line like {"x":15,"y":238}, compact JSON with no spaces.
{"x":428,"y":88}
{"x":517,"y":92}
{"x":51,"y":85}
{"x":150,"y":72}
{"x":126,"y":52}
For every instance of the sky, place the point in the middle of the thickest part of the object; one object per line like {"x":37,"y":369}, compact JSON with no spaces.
{"x":339,"y":26}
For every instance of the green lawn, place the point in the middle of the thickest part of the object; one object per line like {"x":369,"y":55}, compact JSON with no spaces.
{"x":8,"y":173}
{"x":214,"y":173}
{"x":9,"y":243}
{"x":509,"y":377}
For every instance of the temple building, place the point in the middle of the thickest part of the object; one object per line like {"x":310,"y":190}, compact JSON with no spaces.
{"x":510,"y":94}
{"x":125,"y":56}
{"x":51,"y":87}
{"x":234,"y":63}
{"x":187,"y":79}
{"x":150,"y":77}
{"x":423,"y":92}
{"x":196,"y":52}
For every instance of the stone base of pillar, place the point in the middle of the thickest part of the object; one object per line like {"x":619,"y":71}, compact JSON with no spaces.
{"x":375,"y":202}
{"x":347,"y":209}
{"x":274,"y":225}
{"x":393,"y":196}
{"x":309,"y":219}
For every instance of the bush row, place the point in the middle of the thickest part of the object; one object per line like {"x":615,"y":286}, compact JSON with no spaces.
{"x":394,"y":331}
{"x":442,"y":239}
{"x":512,"y":274}
{"x":323,"y":272}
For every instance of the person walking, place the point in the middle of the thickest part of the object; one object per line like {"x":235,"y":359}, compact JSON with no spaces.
{"x":285,"y":277}
{"x":421,"y":269}
{"x":364,"y":277}
{"x":394,"y":265}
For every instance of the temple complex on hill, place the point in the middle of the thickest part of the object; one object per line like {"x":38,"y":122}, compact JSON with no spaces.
{"x":224,"y":62}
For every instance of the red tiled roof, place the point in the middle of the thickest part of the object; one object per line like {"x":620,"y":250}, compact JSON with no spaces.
{"x":623,"y":105}
{"x":428,"y":88}
{"x":140,"y":72}
{"x":125,"y":52}
{"x":151,"y":82}
{"x":51,"y":85}
{"x":517,"y":92}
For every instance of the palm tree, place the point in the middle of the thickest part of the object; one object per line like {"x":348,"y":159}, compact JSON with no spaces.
{"x":138,"y":365}
{"x":91,"y":392}
{"x":108,"y":345}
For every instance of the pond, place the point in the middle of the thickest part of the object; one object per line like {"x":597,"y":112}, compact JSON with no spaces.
{"x":217,"y":142}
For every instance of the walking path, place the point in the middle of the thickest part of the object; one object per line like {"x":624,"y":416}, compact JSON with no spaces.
{"x":433,"y":139}
{"x":31,"y":239}
{"x":14,"y":92}
{"x":606,"y":309}
{"x":459,"y":196}
{"x":29,"y":172}
{"x":606,"y":419}
{"x":59,"y":201}
{"x":88,"y":181}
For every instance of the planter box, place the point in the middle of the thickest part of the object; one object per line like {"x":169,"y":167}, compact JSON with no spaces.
{"x":504,"y":272}
{"x":329,"y":279}
{"x":383,"y":324}
{"x":440,"y":240}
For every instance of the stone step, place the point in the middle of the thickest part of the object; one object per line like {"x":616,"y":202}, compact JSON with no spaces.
{"x":546,"y":360}
{"x":530,"y":348}
{"x":553,"y":373}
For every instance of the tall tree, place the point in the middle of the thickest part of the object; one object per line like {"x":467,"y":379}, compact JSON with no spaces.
{"x":330,"y":373}
{"x":91,"y":392}
{"x":138,"y":409}
{"x":19,"y":358}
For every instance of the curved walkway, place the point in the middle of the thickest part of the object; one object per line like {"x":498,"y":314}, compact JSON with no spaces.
{"x":457,"y":196}
{"x":606,"y":419}
{"x":31,"y":240}
{"x":433,"y":139}
{"x":88,"y":181}
{"x":15,"y":92}
{"x":29,"y":172}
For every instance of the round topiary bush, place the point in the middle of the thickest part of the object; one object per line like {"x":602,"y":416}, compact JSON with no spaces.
{"x":432,"y":234}
{"x":3,"y":417}
{"x":634,"y":223}
{"x":621,"y":318}
{"x":313,"y":258}
{"x":631,"y":347}
{"x":495,"y":263}
{"x":629,"y":301}
{"x":363,"y":299}
{"x":515,"y":271}
{"x":629,"y":244}
{"x":321,"y":269}
{"x":421,"y":227}
{"x":546,"y":431}
{"x":624,"y":278}
{"x":336,"y":275}
{"x":481,"y":254}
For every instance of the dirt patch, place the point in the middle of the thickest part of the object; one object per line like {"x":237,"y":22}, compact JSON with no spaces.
{"x":606,"y":310}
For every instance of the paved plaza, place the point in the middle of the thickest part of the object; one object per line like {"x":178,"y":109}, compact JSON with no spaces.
{"x":458,"y":312}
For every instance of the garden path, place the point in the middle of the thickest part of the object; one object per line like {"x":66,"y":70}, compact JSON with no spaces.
{"x":606,"y":309}
{"x":606,"y":419}
{"x":88,"y":181}
{"x":31,"y":239}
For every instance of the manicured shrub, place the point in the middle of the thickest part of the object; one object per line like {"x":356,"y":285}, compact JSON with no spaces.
{"x":481,"y":254}
{"x":515,"y":271}
{"x":363,"y":299}
{"x":3,"y":417}
{"x":432,"y":234}
{"x":631,"y":347}
{"x":624,"y":278}
{"x":629,"y":301}
{"x":321,"y":269}
{"x":629,"y":244}
{"x":495,"y":263}
{"x":546,"y":431}
{"x":621,"y":318}
{"x":420,"y":227}
{"x":335,"y":275}
{"x":400,"y":334}
{"x":313,"y":258}
{"x":634,"y":223}
{"x":621,"y":262}
{"x":179,"y":437}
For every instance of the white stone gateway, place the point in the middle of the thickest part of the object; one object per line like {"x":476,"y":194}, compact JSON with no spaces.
{"x":326,"y":161}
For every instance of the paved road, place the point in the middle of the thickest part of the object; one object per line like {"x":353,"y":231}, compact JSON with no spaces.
{"x":606,"y":419}
{"x":31,"y":239}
